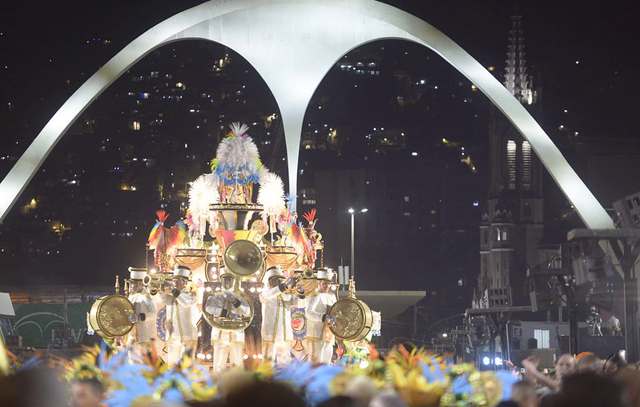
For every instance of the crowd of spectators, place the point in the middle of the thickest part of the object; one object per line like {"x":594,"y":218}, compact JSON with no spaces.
{"x":582,"y":381}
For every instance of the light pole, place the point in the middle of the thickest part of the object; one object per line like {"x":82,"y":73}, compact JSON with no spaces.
{"x":352,"y":212}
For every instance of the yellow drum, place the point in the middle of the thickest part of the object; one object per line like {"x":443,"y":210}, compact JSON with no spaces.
{"x":110,"y":316}
{"x":353,"y":319}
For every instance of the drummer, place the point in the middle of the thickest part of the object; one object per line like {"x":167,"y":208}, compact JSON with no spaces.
{"x":227,"y":343}
{"x":319,"y":335}
{"x":276,"y":329}
{"x":182,"y":317}
{"x":144,"y":318}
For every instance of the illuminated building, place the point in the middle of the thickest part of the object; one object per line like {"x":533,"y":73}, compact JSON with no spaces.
{"x":512,"y":223}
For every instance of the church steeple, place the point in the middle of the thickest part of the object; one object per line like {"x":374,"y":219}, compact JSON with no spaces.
{"x":512,"y":224}
{"x":516,"y":78}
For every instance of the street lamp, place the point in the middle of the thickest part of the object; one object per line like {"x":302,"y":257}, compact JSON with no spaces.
{"x":352,"y":212}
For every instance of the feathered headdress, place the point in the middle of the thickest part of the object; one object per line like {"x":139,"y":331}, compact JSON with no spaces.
{"x":237,"y":158}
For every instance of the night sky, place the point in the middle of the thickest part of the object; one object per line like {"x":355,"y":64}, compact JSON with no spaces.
{"x":584,"y":53}
{"x":40,"y":49}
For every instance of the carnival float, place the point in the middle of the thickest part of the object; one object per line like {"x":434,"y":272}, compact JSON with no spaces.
{"x":238,"y":279}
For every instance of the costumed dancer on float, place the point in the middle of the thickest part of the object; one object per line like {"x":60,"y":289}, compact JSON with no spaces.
{"x":144,"y":319}
{"x":276,"y":329}
{"x":182,"y":317}
{"x":227,"y":343}
{"x":319,"y":336}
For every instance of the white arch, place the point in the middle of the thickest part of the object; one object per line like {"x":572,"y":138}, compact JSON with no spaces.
{"x":293,"y":44}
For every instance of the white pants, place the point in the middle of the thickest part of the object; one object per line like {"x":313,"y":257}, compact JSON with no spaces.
{"x":326,"y":353}
{"x":176,"y":349}
{"x":321,"y":351}
{"x":225,"y":350}
{"x":174,"y":352}
{"x":279,"y":352}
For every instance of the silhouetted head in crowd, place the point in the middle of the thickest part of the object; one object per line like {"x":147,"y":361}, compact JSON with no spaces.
{"x":264,"y":394}
{"x":524,"y":394}
{"x":613,"y":363}
{"x":86,"y":393}
{"x":565,"y":365}
{"x":589,"y":363}
{"x":629,"y":377}
{"x":338,"y":401}
{"x":33,"y":387}
{"x":589,"y":389}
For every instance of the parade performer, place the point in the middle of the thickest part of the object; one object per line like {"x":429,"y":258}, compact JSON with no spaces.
{"x":276,"y":317}
{"x":182,"y":317}
{"x":299,"y":303}
{"x":319,"y":335}
{"x":144,"y":319}
{"x":227,"y":343}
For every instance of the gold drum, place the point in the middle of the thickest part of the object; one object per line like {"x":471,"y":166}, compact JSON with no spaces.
{"x":110,"y":316}
{"x":353,"y":319}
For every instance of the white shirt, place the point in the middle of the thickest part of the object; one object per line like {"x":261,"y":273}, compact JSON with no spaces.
{"x":276,"y":316}
{"x":145,"y":330}
{"x":318,"y":306}
{"x":227,"y":335}
{"x":184,"y":315}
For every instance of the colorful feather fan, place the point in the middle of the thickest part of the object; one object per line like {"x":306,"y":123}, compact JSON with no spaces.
{"x":164,"y":240}
{"x":156,"y":236}
{"x":303,"y":245}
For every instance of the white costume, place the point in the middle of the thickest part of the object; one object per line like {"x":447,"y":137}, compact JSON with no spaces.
{"x":320,"y":338}
{"x":182,"y":318}
{"x":145,"y":317}
{"x":227,"y":343}
{"x":145,"y":311}
{"x":276,"y":322}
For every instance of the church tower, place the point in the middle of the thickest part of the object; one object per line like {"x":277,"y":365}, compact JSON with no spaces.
{"x":512,"y":221}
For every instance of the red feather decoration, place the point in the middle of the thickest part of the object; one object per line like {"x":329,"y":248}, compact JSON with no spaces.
{"x":162,"y":215}
{"x":310,"y":216}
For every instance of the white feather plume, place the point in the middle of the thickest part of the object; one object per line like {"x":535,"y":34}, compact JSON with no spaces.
{"x":239,"y":151}
{"x":271,"y":193}
{"x":238,"y":129}
{"x":202,"y":193}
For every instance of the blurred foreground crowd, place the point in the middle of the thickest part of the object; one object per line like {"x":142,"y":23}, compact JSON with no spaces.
{"x":584,"y":381}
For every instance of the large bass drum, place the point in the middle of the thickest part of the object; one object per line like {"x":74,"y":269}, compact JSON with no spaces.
{"x":229,"y":310}
{"x":353,"y":319}
{"x":110,"y":316}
